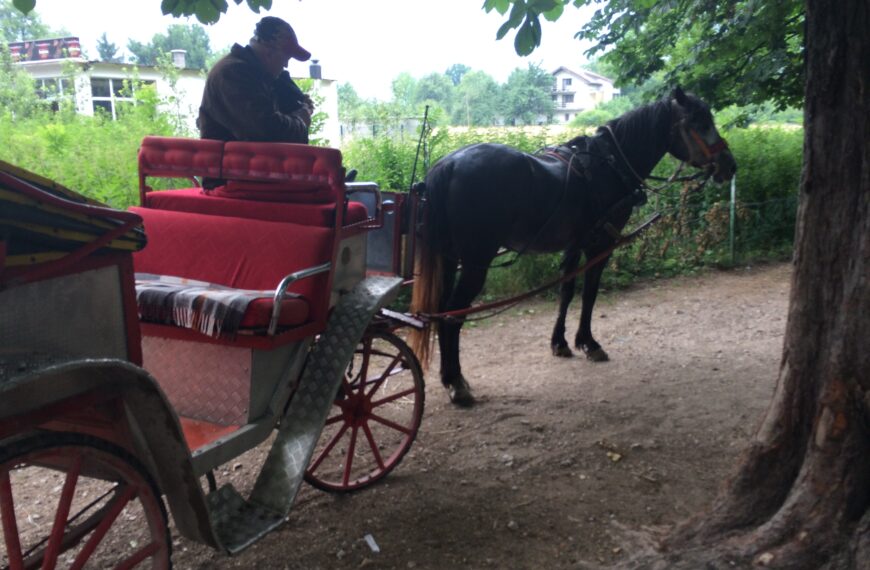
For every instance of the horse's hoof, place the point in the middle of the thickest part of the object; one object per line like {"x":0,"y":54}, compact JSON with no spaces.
{"x":597,"y":355}
{"x":562,"y":351}
{"x":461,"y":396}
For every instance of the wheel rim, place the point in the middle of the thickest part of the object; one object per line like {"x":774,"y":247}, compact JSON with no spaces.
{"x":92,"y":506}
{"x":374,"y":418}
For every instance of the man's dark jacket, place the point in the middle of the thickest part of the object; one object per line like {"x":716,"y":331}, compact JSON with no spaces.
{"x":243,"y":102}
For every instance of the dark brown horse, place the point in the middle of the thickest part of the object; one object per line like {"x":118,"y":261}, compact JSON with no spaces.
{"x":572,"y":198}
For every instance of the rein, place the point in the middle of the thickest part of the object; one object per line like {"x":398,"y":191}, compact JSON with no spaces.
{"x":504,"y":304}
{"x":670,"y":180}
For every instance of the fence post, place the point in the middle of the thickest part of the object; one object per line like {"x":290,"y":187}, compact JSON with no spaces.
{"x":732,"y":216}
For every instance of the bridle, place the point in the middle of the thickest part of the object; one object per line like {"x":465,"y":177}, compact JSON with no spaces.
{"x":710,"y":152}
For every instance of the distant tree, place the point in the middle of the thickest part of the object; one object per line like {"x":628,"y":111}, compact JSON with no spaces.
{"x":16,"y":27}
{"x":476,"y":100}
{"x":349,"y":102}
{"x":737,"y":52}
{"x":436,"y":88}
{"x":603,"y":112}
{"x":17,"y":88}
{"x":404,"y":93}
{"x":190,"y":37}
{"x":107,"y":50}
{"x":526,"y":96}
{"x":456,"y":71}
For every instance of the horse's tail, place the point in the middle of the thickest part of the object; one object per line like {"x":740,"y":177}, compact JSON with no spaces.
{"x":428,"y":268}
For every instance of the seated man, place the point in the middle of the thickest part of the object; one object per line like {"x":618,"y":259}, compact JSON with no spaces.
{"x":249,"y":96}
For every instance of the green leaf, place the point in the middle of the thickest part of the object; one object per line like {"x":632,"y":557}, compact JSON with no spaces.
{"x":528,"y":36}
{"x":541,"y":6}
{"x":206,"y":12}
{"x":500,"y":6}
{"x":504,"y":29}
{"x":555,"y":13}
{"x":168,"y":6}
{"x":255,"y":5}
{"x":24,"y":6}
{"x":515,"y":19}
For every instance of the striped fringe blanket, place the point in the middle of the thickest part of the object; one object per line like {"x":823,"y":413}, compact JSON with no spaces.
{"x":211,"y":309}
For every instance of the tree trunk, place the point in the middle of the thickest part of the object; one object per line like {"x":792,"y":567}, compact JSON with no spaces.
{"x":801,"y":493}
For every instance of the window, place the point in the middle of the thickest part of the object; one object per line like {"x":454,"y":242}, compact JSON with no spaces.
{"x":103,"y":107}
{"x":112,"y":93}
{"x":53,"y":89}
{"x":566,"y":83}
{"x":567,"y":98}
{"x":100,"y":87}
{"x":567,"y":117}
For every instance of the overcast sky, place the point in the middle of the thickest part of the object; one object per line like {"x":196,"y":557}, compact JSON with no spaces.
{"x":364,"y":42}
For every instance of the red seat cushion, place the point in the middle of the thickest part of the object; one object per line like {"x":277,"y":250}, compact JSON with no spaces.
{"x":281,"y":171}
{"x":240,"y":253}
{"x":170,"y":156}
{"x":195,"y":200}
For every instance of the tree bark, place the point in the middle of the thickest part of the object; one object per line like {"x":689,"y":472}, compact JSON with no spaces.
{"x":800,"y":496}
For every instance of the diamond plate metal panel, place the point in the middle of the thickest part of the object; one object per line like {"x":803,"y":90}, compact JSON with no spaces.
{"x":74,"y":316}
{"x":239,"y":523}
{"x":202,"y":381}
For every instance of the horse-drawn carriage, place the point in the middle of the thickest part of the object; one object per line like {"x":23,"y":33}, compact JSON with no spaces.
{"x":130,"y":372}
{"x":257,"y":310}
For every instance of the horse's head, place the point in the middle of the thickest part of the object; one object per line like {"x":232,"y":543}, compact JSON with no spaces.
{"x":695,"y":139}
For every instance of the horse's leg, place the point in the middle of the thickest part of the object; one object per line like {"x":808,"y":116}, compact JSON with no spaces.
{"x":448,"y":284}
{"x":471,"y":281}
{"x":566,"y":293}
{"x":584,"y":340}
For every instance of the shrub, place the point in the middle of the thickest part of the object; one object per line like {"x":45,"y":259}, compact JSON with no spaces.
{"x":694,"y":231}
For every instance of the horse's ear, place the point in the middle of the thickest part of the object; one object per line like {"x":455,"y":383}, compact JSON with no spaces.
{"x":679,"y":96}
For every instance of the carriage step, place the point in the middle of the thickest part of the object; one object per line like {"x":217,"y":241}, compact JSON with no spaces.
{"x":239,"y":522}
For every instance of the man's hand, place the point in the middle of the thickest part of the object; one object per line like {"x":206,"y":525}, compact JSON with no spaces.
{"x":308,"y":103}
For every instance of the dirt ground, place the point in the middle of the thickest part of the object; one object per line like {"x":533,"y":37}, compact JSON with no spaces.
{"x":561,"y":456}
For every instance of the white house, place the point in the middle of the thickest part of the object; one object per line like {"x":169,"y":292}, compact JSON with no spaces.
{"x":60,"y":69}
{"x":577,"y":90}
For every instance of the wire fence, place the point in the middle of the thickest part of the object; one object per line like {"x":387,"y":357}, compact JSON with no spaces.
{"x":697,"y":229}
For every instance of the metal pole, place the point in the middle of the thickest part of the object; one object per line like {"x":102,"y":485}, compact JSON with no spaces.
{"x":732,"y":216}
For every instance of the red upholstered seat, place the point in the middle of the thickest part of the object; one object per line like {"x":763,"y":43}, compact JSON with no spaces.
{"x":281,"y":172}
{"x":240,"y":253}
{"x":169,"y":156}
{"x":194,"y":200}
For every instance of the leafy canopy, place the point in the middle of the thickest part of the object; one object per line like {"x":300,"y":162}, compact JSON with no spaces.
{"x":726,"y":51}
{"x":206,"y":11}
{"x":17,"y":27}
{"x":190,"y":37}
{"x":107,"y":50}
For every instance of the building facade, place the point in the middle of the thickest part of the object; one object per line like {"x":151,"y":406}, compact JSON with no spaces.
{"x":575,"y":91}
{"x":60,"y":70}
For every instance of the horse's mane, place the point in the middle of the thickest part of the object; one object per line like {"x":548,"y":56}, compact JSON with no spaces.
{"x":643,"y":133}
{"x":635,"y":124}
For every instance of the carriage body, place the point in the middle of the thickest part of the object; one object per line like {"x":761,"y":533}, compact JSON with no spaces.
{"x":87,"y":388}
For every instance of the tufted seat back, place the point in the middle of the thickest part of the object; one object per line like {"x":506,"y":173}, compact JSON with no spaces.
{"x":275,"y":172}
{"x":182,"y":158}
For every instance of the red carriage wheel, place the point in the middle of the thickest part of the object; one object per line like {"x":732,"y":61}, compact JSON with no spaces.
{"x":374,"y":419}
{"x":73,"y":501}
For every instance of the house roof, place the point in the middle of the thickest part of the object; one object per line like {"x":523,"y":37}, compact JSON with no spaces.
{"x":584,"y":75}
